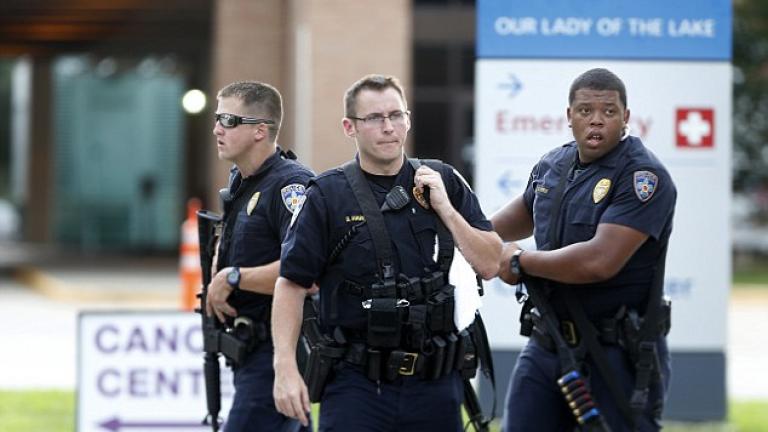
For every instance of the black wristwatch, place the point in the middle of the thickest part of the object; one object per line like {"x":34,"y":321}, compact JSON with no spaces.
{"x":233,"y":278}
{"x":514,"y":262}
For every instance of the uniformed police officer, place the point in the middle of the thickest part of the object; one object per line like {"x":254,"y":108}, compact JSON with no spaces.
{"x":600,"y":209}
{"x":265,"y":188}
{"x":331,"y":243}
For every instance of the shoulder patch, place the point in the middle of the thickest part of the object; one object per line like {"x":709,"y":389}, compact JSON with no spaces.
{"x":297,"y":211}
{"x":645,"y":184}
{"x":293,"y":195}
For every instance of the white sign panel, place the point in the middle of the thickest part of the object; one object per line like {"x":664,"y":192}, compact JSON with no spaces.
{"x":681,"y":111}
{"x":142,"y":372}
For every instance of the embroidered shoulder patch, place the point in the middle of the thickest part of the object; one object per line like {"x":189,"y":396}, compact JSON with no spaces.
{"x":645,"y":184}
{"x":293,"y":196}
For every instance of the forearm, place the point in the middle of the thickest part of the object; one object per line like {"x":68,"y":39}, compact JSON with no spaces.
{"x":567,"y":265}
{"x":594,"y":260}
{"x":260,"y":279}
{"x":287,"y":308}
{"x":513,"y":222}
{"x":481,"y":249}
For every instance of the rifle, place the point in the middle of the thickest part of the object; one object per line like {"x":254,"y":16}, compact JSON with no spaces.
{"x":575,"y":389}
{"x":207,"y":223}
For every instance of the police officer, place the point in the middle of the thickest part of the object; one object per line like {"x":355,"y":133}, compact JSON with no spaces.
{"x":266,"y":185}
{"x":600,"y":209}
{"x":384,"y":381}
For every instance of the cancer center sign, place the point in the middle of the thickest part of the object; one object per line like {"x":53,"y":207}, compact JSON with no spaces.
{"x":142,"y":372}
{"x":674,"y":58}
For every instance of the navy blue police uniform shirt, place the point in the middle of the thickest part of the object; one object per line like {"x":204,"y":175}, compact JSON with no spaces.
{"x":628,"y":186}
{"x":274,"y":192}
{"x":329,"y":212}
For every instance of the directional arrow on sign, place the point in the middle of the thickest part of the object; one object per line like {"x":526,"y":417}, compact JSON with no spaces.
{"x":115,"y":424}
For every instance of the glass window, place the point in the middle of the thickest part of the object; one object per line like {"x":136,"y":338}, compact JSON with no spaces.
{"x":468,"y":65}
{"x":430,"y":66}
{"x":431,"y":131}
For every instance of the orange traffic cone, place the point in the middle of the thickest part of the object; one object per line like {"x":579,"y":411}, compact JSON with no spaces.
{"x":189,"y":258}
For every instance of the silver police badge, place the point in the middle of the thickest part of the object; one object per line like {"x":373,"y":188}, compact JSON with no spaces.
{"x":645,"y":184}
{"x":293,"y":196}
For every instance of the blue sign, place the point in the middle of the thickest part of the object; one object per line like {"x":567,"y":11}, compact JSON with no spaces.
{"x":601,"y":29}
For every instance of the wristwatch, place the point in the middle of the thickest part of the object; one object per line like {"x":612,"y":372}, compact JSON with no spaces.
{"x":514,"y":262}
{"x":233,"y":278}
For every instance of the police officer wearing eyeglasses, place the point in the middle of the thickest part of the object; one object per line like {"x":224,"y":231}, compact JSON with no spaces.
{"x":600,"y":209}
{"x":265,"y":188}
{"x":381,"y":335}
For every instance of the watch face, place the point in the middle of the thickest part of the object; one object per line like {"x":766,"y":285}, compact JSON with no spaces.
{"x":233,"y":278}
{"x":514,"y":263}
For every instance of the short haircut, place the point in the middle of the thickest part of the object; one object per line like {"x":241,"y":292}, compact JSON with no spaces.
{"x":370,"y":82}
{"x":598,"y":79}
{"x":259,"y":99}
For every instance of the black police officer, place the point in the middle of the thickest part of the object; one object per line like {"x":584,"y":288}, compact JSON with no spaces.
{"x":323,"y":247}
{"x":600,"y":209}
{"x":266,"y":186}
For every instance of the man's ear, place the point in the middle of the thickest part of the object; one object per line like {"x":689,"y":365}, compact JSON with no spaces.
{"x":568,"y":115}
{"x":349,"y":127}
{"x":260,"y":132}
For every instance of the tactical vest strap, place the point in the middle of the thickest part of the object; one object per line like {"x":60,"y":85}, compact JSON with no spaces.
{"x":373,"y":217}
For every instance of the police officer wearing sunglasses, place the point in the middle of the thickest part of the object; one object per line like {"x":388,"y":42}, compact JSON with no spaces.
{"x":266,"y":186}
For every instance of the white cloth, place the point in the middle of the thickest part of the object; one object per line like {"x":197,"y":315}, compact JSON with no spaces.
{"x":466,"y":296}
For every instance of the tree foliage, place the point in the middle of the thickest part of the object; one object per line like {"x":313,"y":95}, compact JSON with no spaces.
{"x":750,"y":95}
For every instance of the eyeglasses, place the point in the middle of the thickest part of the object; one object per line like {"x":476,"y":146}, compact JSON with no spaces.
{"x":230,"y":121}
{"x":377,"y":119}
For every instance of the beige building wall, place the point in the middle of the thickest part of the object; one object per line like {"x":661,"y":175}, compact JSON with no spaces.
{"x":312,"y":50}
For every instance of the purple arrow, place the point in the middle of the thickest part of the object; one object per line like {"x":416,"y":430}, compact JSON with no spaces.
{"x":115,"y":424}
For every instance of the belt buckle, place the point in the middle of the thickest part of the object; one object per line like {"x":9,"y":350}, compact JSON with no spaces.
{"x":408,"y":365}
{"x":568,"y":329}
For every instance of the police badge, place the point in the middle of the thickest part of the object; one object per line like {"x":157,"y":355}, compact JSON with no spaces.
{"x":645,"y":184}
{"x":293,"y":196}
{"x":601,"y":190}
{"x":418,"y":195}
{"x":252,"y":203}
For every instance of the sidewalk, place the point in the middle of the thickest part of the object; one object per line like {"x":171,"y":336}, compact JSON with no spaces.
{"x":42,"y":293}
{"x":746,"y":353}
{"x":40,"y":302}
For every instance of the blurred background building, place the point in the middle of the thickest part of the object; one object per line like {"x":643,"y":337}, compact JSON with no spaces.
{"x":97,"y":151}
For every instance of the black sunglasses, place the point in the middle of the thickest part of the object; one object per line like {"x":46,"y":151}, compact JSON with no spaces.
{"x":230,"y":121}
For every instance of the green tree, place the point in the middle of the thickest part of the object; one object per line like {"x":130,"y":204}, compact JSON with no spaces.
{"x":750,"y":96}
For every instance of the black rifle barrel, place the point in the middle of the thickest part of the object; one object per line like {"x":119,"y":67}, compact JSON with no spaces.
{"x":206,"y":225}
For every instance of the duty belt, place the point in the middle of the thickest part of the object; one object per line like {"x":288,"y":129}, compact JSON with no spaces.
{"x":445,"y":354}
{"x":610,"y":331}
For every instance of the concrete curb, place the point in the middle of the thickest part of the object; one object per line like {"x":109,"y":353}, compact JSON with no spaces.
{"x":57,"y":288}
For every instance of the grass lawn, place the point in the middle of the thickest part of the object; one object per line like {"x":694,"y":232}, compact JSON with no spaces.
{"x":54,"y":411}
{"x":753,"y":272}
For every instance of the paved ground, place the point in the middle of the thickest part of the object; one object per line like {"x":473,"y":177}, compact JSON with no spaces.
{"x":39,"y":325}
